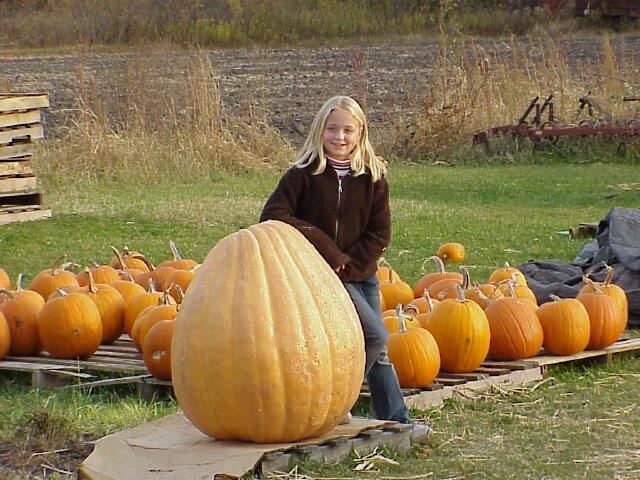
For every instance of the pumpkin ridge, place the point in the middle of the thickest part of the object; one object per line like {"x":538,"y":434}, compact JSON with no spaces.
{"x":320,"y":407}
{"x":264,"y":241}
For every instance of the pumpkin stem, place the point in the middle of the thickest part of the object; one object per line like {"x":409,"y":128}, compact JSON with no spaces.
{"x":139,"y":256}
{"x":19,"y":282}
{"x":410,"y":308}
{"x":151,"y":287}
{"x":555,"y":298}
{"x":481,"y":294}
{"x":56,"y":263}
{"x":609,"y":277}
{"x":174,"y":250}
{"x":62,"y":292}
{"x":179,"y":293}
{"x":402,"y":328}
{"x":465,"y":277}
{"x":429,"y":299}
{"x":438,"y":261}
{"x":511,"y":288}
{"x":461,"y":298}
{"x":123,"y":266}
{"x":94,"y":264}
{"x":92,"y":283}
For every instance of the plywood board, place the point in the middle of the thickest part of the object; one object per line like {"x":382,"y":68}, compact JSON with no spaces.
{"x":24,"y":216}
{"x":20,"y":118}
{"x":33,"y":132}
{"x":12,"y":101}
{"x":620,"y":346}
{"x":17,"y":150}
{"x":17,"y":184}
{"x":16,"y":168}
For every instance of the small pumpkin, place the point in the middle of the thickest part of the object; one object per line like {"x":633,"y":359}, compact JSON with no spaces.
{"x":138,"y":303}
{"x":429,"y":278}
{"x":461,"y":330}
{"x":516,"y":332}
{"x":48,"y":280}
{"x":70,"y":326}
{"x":507,"y":272}
{"x":404,"y":315}
{"x":102,"y":274}
{"x":110,"y":305}
{"x":178,"y":262}
{"x":566,"y":326}
{"x":395,"y":291}
{"x":164,"y":310}
{"x":451,"y":252}
{"x":127,"y":288}
{"x":610,"y":289}
{"x":156,"y":349}
{"x":605,"y":322}
{"x":385,"y":270}
{"x":5,"y":337}
{"x":446,"y":288}
{"x":128,"y":259}
{"x":483,"y":294}
{"x":415,"y":356}
{"x":21,"y":309}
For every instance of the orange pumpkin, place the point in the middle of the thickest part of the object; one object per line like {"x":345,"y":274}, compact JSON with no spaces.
{"x":516,"y":331}
{"x":451,"y":252}
{"x":446,"y":288}
{"x":102,"y":274}
{"x":395,"y":291}
{"x":46,"y":281}
{"x":428,"y":279}
{"x":137,"y":304}
{"x":415,"y":356}
{"x":150,"y":316}
{"x":604,"y":319}
{"x":461,"y":330}
{"x":111,"y":307}
{"x":406,"y":316}
{"x":127,"y":289}
{"x":128,"y":260}
{"x":507,"y":272}
{"x":70,"y":326}
{"x":483,"y":294}
{"x":178,"y":262}
{"x":298,"y":341}
{"x":566,"y":327}
{"x":182,"y":278}
{"x":385,"y":272}
{"x":156,"y":349}
{"x":20,"y":309}
{"x":611,"y":290}
{"x":5,"y":337}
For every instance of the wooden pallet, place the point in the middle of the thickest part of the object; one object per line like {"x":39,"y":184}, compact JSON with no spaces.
{"x":12,"y":102}
{"x":396,"y":436}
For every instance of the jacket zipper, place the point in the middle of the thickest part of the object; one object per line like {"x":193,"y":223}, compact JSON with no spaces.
{"x":338,"y":211}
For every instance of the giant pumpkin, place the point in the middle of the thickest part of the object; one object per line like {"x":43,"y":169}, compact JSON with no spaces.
{"x":267,"y":346}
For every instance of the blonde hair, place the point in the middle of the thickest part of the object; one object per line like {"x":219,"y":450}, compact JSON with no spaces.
{"x":362,"y":157}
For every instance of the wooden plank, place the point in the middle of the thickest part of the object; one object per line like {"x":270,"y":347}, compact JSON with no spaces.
{"x":618,"y":347}
{"x":19,"y":208}
{"x":6,"y":218}
{"x":20,"y":118}
{"x":16,"y":150}
{"x":17,"y":184}
{"x":33,"y":132}
{"x":16,"y":168}
{"x":22,"y":101}
{"x":109,"y":381}
{"x":470,"y":389}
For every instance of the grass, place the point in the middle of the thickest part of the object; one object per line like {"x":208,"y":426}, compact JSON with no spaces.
{"x":481,"y":206}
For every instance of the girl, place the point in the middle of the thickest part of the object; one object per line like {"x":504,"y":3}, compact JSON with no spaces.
{"x":337,"y":196}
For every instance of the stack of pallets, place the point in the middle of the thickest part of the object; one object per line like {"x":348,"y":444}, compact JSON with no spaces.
{"x":20,"y":126}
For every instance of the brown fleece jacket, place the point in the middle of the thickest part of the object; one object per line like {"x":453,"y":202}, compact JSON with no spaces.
{"x":350,"y":228}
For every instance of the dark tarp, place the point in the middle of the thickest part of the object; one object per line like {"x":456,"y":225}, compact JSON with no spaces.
{"x":617,"y":244}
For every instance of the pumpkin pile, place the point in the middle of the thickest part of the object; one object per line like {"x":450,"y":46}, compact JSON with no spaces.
{"x":69,"y":315}
{"x":499,"y":318}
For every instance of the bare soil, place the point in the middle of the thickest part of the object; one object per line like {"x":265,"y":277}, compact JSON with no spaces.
{"x":285,"y":86}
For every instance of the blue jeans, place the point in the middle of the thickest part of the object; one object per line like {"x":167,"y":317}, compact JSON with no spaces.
{"x":386,"y":396}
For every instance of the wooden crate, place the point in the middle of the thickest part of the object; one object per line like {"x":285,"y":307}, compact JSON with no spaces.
{"x":20,"y":125}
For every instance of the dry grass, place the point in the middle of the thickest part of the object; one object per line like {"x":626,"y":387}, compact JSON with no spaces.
{"x":156,"y":131}
{"x":142,"y":126}
{"x":475,"y":87}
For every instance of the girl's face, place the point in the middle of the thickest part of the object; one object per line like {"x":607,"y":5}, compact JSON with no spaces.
{"x":341,"y":134}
